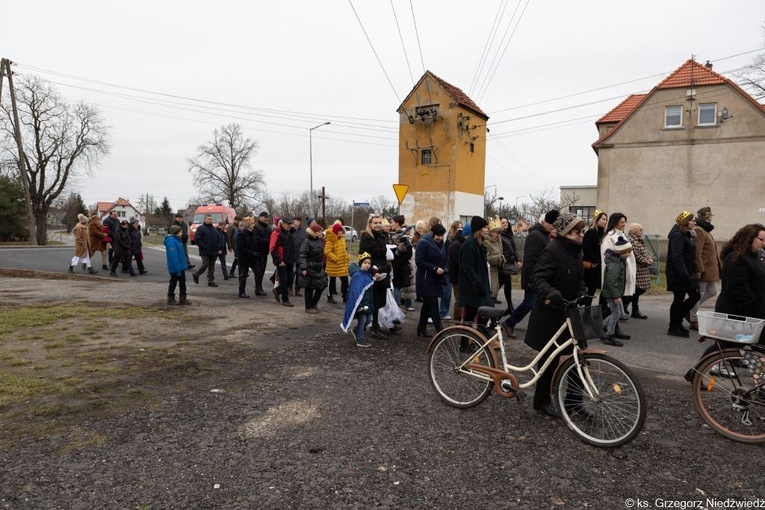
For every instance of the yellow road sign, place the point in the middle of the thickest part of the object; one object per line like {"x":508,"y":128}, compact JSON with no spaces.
{"x":400,"y":190}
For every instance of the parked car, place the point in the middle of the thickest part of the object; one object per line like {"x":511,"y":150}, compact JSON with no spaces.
{"x":351,"y":234}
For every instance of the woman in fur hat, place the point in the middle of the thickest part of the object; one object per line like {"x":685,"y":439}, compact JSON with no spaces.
{"x":81,"y":245}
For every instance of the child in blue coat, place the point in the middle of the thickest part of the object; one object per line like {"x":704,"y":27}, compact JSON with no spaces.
{"x":176,"y":266}
{"x":359,"y":300}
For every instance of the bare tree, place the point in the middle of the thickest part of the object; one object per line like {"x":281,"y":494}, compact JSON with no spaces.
{"x":61,"y":142}
{"x":221,"y":169}
{"x":538,"y":205}
{"x":383,"y":206}
{"x":147,"y":204}
{"x":752,"y":77}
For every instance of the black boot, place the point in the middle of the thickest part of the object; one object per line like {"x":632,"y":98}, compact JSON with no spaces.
{"x":331,"y":300}
{"x":71,"y":269}
{"x":184,"y":301}
{"x":92,"y":271}
{"x":171,"y":300}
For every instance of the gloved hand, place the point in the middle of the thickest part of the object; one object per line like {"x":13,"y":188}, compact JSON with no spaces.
{"x":554,"y":299}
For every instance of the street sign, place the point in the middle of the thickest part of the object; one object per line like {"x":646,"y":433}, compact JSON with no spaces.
{"x":400,"y":190}
{"x":361,"y":204}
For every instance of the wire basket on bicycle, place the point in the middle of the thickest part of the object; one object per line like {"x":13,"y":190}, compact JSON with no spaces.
{"x":586,"y":321}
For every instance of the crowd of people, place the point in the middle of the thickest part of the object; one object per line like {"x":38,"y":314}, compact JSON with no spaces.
{"x":464,"y":266}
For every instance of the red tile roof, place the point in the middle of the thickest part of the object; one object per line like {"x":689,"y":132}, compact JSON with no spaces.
{"x":455,"y":93}
{"x":691,"y":74}
{"x":622,"y":110}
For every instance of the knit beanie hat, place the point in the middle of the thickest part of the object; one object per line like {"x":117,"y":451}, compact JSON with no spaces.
{"x":316,"y":228}
{"x":622,"y":245}
{"x":438,"y":230}
{"x":552,"y":216}
{"x":565,"y":223}
{"x":174,"y":230}
{"x":684,"y":217}
{"x":477,"y":223}
{"x":467,"y":230}
{"x":82,"y":218}
{"x":337,"y":228}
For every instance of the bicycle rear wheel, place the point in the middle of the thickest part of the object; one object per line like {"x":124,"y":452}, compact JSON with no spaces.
{"x":615,"y":413}
{"x":460,"y":387}
{"x":729,"y":395}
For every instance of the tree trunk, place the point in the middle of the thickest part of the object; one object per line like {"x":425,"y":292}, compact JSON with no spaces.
{"x":41,"y":221}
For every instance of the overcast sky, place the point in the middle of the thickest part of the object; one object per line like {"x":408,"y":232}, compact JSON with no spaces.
{"x":165,"y":74}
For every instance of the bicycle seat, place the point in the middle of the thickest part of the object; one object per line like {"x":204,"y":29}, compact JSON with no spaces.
{"x":489,"y":312}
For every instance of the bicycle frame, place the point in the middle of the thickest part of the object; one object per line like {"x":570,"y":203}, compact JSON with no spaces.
{"x":497,"y":375}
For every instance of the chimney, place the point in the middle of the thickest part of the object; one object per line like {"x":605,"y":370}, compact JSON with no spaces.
{"x":708,"y":65}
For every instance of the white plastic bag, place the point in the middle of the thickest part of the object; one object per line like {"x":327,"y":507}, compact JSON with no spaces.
{"x":389,"y":252}
{"x":390,"y":314}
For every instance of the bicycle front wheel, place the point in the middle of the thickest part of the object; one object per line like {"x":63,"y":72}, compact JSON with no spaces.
{"x":459,"y":385}
{"x":729,"y":395}
{"x":605,"y":407}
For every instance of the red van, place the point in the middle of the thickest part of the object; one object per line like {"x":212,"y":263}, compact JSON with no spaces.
{"x":220,"y":214}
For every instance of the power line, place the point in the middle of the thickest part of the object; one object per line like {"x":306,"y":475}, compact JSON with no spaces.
{"x":375,"y":52}
{"x":417,"y":33}
{"x":507,"y":45}
{"x":488,"y":45}
{"x":403,"y":46}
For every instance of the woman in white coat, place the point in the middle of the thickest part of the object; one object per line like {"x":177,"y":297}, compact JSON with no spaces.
{"x":617,"y":222}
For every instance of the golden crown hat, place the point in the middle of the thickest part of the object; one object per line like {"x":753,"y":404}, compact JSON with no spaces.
{"x":682,"y":217}
{"x":363,"y":256}
{"x":495,"y":224}
{"x":597,"y":213}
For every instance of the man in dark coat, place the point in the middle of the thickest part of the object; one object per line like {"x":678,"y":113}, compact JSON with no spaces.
{"x":284,"y":257}
{"x":262,"y":234}
{"x":537,"y":239}
{"x":249,"y":258}
{"x":121,"y":241}
{"x":558,"y":276}
{"x":231,"y":232}
{"x":680,"y":271}
{"x":206,"y":239}
{"x":297,"y":240}
{"x":184,"y":236}
{"x":113,"y":223}
{"x":453,"y":255}
{"x":474,"y":287}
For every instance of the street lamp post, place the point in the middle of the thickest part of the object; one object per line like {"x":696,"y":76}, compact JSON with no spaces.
{"x":501,"y":199}
{"x":310,"y":163}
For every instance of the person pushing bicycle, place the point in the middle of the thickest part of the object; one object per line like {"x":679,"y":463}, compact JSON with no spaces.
{"x":558,"y":277}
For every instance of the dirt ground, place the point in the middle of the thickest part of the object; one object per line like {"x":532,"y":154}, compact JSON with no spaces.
{"x":113,"y":399}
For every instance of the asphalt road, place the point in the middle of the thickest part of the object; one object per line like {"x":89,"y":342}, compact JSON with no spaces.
{"x":650,"y":347}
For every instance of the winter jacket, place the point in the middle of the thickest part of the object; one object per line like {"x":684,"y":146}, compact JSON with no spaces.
{"x":247,"y":246}
{"x":707,"y":259}
{"x":474,"y":275}
{"x":510,"y":252}
{"x":298,"y":236}
{"x":136,"y":240}
{"x":96,"y":235}
{"x":222,"y":243}
{"x":112,"y":223}
{"x":81,"y":240}
{"x":231,"y":232}
{"x":743,"y":287}
{"x":642,"y":259}
{"x":429,"y":257}
{"x":402,"y":256}
{"x":536,"y":241}
{"x":282,"y":247}
{"x":558,"y":275}
{"x":614,"y":277}
{"x":336,"y":253}
{"x":121,"y":242}
{"x":262,"y":234}
{"x":591,"y":257}
{"x":453,"y":255}
{"x":176,"y":257}
{"x":376,"y":245}
{"x":310,"y":261}
{"x":206,"y":239}
{"x":609,"y":243}
{"x":681,"y":259}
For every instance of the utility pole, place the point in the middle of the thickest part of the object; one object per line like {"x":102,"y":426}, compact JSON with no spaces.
{"x":323,"y":198}
{"x":5,"y":70}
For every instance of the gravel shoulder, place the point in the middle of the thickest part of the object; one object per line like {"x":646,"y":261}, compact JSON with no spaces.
{"x":261,"y":407}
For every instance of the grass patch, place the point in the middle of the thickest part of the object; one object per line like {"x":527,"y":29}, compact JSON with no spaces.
{"x":16,"y":388}
{"x":57,"y":344}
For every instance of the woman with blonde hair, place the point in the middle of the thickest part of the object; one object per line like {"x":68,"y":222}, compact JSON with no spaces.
{"x":374,"y":242}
